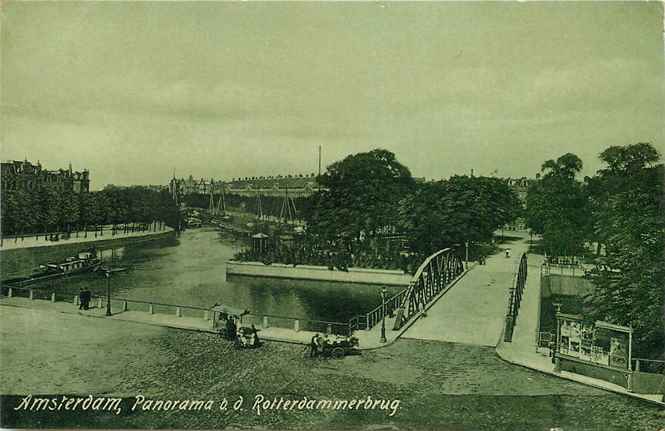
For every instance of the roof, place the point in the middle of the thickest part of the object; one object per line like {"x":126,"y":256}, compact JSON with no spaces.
{"x":611,"y":326}
{"x":294,"y":182}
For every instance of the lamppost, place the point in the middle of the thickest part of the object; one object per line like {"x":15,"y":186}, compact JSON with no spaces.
{"x":107,"y":272}
{"x":383,"y":320}
{"x":466,"y":246}
{"x":555,"y":358}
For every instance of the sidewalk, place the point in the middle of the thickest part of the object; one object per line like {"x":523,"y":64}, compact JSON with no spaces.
{"x":164,"y":320}
{"x":29,"y":241}
{"x":522,"y":350}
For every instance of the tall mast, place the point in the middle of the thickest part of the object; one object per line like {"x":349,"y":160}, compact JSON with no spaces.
{"x":221,"y":204}
{"x":318,"y":179}
{"x":259,"y":205}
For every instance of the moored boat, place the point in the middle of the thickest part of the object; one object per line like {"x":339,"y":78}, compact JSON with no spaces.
{"x":83,"y":262}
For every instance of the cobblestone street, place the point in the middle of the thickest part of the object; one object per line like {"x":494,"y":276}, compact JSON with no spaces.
{"x":440,"y":385}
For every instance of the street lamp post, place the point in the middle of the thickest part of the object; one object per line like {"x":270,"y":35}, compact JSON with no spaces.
{"x":108,"y":292}
{"x":557,"y":361}
{"x":466,"y":245}
{"x":383,"y":320}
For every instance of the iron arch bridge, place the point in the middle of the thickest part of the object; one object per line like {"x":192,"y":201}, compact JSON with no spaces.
{"x":433,"y":276}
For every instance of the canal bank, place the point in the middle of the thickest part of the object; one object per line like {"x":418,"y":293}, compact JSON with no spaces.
{"x":23,"y":256}
{"x":381,"y":277}
{"x":190,"y":270}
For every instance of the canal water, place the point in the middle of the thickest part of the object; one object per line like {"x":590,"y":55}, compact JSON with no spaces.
{"x":191,"y":270}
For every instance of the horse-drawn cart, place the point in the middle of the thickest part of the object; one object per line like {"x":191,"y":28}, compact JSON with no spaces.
{"x":336,"y":346}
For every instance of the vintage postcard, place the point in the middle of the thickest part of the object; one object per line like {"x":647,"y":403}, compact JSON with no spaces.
{"x":332,"y":216}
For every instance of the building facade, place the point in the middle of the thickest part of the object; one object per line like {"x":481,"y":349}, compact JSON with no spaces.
{"x":520,"y":186}
{"x":24,"y":176}
{"x":298,"y":185}
{"x":190,"y":185}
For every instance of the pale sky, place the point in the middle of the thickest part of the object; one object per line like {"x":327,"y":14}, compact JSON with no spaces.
{"x":133,"y":90}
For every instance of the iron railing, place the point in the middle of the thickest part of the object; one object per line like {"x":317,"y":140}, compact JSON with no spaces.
{"x":514,"y":299}
{"x":374,"y":316}
{"x":436,"y":273}
{"x":648,"y":366}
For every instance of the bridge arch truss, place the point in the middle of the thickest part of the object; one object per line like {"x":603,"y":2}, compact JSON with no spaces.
{"x":432,"y":277}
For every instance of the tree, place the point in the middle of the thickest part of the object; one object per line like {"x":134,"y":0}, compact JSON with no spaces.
{"x":53,"y":208}
{"x":453,"y":211}
{"x":629,"y":217}
{"x":361,"y":197}
{"x":558,"y":207}
{"x":70,"y":210}
{"x":9,"y":213}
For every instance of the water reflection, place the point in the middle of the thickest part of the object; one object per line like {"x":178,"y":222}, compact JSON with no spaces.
{"x":191,"y":270}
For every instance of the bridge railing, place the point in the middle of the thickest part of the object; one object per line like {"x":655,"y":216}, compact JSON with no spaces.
{"x":436,"y":273}
{"x":515,"y":298}
{"x":648,"y":365}
{"x":374,"y":316}
{"x":262,"y":320}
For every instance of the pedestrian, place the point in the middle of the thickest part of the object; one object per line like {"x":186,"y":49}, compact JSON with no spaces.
{"x":314,"y":344}
{"x":257,"y":341}
{"x":231,"y":328}
{"x":87,"y":296}
{"x":81,"y":298}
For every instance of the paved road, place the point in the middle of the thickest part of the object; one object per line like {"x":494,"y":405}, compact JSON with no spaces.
{"x":443,"y":386}
{"x":473,"y":311}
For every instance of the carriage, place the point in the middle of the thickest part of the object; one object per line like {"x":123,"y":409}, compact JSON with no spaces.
{"x":337,"y":346}
{"x":221,"y":315}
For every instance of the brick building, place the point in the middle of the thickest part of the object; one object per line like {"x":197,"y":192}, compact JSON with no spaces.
{"x":24,"y":176}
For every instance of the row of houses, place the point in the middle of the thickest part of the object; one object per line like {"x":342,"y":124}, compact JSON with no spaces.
{"x":298,"y":185}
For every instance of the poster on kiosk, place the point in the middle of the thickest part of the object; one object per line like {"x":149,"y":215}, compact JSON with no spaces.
{"x":597,"y":342}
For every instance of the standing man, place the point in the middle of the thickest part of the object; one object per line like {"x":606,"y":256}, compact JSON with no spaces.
{"x":314,"y":345}
{"x":87,"y":296}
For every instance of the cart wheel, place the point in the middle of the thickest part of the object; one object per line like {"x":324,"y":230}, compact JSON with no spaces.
{"x":337,"y":352}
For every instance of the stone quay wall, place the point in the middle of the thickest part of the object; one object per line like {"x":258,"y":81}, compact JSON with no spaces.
{"x":380,"y":277}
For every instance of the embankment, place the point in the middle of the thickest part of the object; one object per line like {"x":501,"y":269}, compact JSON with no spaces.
{"x":321,"y":273}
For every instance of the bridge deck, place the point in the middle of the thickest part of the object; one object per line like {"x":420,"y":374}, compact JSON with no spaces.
{"x":473,"y":311}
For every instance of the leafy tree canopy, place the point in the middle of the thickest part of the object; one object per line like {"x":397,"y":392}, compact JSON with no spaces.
{"x":361,"y":196}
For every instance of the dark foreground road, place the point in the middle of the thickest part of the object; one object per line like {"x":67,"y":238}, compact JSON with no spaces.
{"x":440,"y":386}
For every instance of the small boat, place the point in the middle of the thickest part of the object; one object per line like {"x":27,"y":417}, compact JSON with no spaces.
{"x":83,"y":262}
